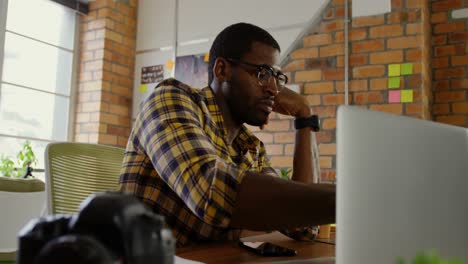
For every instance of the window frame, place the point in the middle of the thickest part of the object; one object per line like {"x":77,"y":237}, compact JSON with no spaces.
{"x":74,"y":74}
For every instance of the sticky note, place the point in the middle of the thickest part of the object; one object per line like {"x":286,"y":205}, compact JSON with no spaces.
{"x":207,"y":57}
{"x":394,"y":70}
{"x":170,"y":64}
{"x":406,"y":96}
{"x":406,"y":68}
{"x":393,"y":82}
{"x":394,"y":96}
{"x":143,"y":88}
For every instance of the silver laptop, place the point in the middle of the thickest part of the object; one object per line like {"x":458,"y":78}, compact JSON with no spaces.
{"x":402,"y":188}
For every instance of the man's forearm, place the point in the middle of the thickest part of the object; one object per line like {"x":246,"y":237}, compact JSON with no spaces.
{"x":302,"y":164}
{"x":267,"y":203}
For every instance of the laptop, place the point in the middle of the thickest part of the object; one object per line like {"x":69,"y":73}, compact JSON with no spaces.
{"x":402,"y":188}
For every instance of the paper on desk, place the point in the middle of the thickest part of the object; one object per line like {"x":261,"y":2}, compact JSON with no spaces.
{"x":179,"y":260}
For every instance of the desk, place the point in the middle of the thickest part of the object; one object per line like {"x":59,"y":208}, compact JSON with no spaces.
{"x":227,"y":253}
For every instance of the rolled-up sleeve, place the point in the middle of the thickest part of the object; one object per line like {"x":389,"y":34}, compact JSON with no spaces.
{"x":185,"y":157}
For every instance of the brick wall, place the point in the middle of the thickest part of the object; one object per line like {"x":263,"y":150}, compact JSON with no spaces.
{"x":107,"y":57}
{"x":450,"y":60}
{"x":375,"y":42}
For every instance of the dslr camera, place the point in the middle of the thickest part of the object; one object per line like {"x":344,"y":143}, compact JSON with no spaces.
{"x":110,"y":228}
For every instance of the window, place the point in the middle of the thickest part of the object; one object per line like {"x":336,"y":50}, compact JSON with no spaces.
{"x":37,"y":42}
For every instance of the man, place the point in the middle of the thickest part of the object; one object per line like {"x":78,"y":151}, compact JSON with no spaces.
{"x":191,"y":159}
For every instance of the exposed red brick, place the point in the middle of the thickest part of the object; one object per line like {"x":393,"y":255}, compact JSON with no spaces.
{"x":446,"y":5}
{"x":440,"y":62}
{"x":386,"y":57}
{"x":441,"y":109}
{"x":368,"y":21}
{"x":404,"y":42}
{"x":368,"y":98}
{"x":459,"y":60}
{"x":438,"y":17}
{"x":458,"y":37}
{"x":444,"y":97}
{"x":459,"y":84}
{"x":317,"y":40}
{"x":449,"y":27}
{"x":368,"y":71}
{"x":439,"y":40}
{"x":449,"y":50}
{"x":386,"y":31}
{"x":369,"y":45}
{"x":449,"y":73}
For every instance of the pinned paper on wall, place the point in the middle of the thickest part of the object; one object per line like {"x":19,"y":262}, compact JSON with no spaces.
{"x":394,"y":96}
{"x":393,"y":82}
{"x":169,"y":64}
{"x":406,"y":96}
{"x":406,"y":69}
{"x":394,"y":70}
{"x":207,"y":57}
{"x":143,"y":88}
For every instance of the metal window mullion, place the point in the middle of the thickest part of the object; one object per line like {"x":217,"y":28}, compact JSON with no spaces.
{"x":27,"y":138}
{"x":74,"y":81}
{"x":37,"y":90}
{"x":3,"y":19}
{"x":38,"y":40}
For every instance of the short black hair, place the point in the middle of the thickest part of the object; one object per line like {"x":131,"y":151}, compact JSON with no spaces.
{"x":235,"y":41}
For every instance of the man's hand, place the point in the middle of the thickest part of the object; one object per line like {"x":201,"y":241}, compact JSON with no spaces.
{"x":288,"y":102}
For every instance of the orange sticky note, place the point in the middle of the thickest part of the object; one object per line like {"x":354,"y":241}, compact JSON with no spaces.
{"x":170,"y":64}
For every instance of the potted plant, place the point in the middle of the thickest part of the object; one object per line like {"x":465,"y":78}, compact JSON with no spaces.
{"x":26,"y":159}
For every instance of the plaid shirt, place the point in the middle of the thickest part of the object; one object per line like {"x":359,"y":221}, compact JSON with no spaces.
{"x":177,"y":162}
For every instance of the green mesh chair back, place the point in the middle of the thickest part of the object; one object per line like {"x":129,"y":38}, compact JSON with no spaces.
{"x":76,"y":170}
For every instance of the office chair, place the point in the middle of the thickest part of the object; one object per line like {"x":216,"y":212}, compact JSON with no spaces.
{"x":76,"y":170}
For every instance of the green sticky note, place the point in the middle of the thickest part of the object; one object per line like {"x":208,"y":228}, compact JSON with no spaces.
{"x":406,"y":68}
{"x":394,"y":70}
{"x":393,"y":82}
{"x":406,"y":96}
{"x":143,"y":88}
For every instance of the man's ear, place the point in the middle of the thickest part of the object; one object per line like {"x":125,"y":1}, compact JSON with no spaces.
{"x":222,"y":69}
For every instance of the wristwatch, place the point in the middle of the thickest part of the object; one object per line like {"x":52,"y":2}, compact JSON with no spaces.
{"x":312,"y":121}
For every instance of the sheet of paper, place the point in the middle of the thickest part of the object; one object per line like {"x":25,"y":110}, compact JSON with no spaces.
{"x":406,"y":96}
{"x":393,"y":82}
{"x":406,"y":69}
{"x":179,"y":260}
{"x":394,"y":70}
{"x":394,"y":96}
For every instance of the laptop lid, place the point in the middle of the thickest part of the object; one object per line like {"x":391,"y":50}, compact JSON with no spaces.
{"x":402,"y":187}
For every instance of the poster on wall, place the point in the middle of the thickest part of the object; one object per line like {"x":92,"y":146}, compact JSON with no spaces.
{"x":192,"y":70}
{"x":150,"y":76}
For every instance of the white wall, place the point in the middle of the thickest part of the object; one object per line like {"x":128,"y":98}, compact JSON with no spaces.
{"x":201,"y":20}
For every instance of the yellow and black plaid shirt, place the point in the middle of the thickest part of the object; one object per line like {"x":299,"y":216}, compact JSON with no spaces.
{"x":177,"y":161}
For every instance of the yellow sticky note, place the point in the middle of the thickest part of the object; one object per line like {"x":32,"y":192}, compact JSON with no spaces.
{"x":207,"y":57}
{"x":393,"y":82}
{"x":406,"y":69}
{"x":406,"y":96}
{"x":143,"y":88}
{"x":394,"y":70}
{"x":170,"y":64}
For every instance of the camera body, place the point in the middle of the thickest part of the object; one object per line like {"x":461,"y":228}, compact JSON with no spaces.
{"x":110,"y":228}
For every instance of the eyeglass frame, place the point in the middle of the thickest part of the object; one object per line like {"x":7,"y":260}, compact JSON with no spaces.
{"x":259,"y":68}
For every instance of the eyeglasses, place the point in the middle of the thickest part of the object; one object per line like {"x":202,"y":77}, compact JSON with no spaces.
{"x":264,"y":73}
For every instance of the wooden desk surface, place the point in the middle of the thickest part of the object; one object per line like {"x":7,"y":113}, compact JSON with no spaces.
{"x":232,"y":253}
